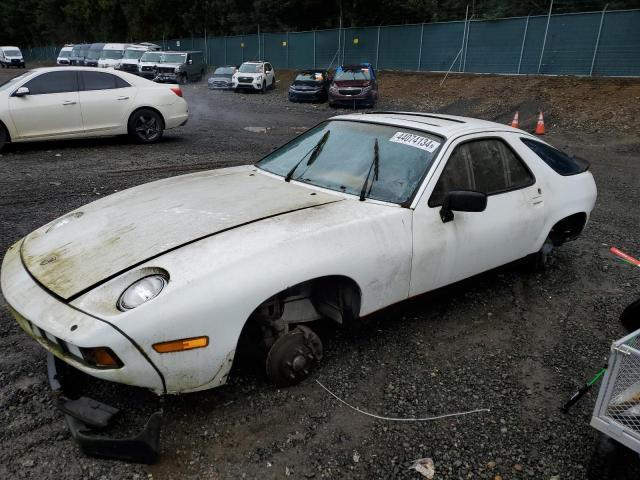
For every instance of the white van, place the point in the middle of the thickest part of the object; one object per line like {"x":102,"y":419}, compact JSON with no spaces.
{"x":132,"y":56}
{"x":11,"y":57}
{"x":63,"y":56}
{"x":112,"y":54}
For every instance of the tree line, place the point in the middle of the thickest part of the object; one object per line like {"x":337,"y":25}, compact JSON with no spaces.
{"x":40,"y":22}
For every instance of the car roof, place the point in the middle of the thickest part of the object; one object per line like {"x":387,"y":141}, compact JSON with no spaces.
{"x":7,"y":46}
{"x":439,"y":124}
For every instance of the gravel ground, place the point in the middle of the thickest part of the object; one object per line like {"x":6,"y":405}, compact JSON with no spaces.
{"x":509,"y":340}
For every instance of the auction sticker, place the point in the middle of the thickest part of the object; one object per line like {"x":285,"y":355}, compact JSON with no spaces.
{"x":416,"y":141}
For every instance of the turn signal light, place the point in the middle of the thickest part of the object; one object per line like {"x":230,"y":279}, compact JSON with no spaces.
{"x":177,"y":90}
{"x":181,"y":345}
{"x":102,"y":357}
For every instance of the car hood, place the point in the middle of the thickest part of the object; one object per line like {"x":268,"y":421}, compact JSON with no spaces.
{"x":170,"y":65}
{"x":109,"y":236}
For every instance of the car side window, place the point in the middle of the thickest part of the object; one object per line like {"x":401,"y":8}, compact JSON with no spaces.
{"x":562,"y":163}
{"x":53,"y":82}
{"x":488,"y":166}
{"x":101,"y":81}
{"x":269,"y":68}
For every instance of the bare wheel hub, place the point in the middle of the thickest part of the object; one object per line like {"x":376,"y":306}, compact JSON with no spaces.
{"x":293,"y":356}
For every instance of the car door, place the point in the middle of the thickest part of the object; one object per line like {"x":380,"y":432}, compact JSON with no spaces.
{"x":474,"y":242}
{"x":105,"y":100}
{"x":269,"y":74}
{"x":51,"y":107}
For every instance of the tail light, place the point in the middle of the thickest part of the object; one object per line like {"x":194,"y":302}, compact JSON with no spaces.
{"x":177,"y":90}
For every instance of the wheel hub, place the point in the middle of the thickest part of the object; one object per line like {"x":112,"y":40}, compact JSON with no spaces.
{"x":293,"y":355}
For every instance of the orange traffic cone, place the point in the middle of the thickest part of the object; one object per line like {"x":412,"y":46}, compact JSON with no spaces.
{"x":540,"y":125}
{"x":515,"y":123}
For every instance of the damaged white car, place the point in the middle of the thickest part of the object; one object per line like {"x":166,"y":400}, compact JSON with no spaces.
{"x":155,"y":286}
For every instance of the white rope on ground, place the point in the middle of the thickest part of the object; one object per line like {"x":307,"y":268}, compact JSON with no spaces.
{"x":392,"y":419}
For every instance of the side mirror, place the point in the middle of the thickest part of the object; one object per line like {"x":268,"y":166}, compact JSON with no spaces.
{"x":21,"y":92}
{"x":190,"y":62}
{"x":462,"y":201}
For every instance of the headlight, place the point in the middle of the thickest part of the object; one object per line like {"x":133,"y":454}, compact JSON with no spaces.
{"x":366,"y":89}
{"x":333,"y":88}
{"x":141,"y":291}
{"x":258,"y":78}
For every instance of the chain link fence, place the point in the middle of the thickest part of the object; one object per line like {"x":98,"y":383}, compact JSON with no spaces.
{"x":605,"y":43}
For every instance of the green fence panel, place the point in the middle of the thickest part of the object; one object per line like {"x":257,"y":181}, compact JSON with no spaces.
{"x":441,"y":42}
{"x":619,"y":48}
{"x":399,"y":47}
{"x":533,"y":44}
{"x":300,"y":50}
{"x":215,"y":51}
{"x":570,"y":43}
{"x":327,"y":42}
{"x":360,"y":45}
{"x":494,"y":46}
{"x":275,"y":49}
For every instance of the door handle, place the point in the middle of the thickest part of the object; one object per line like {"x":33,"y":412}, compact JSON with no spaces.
{"x":69,"y":103}
{"x":123,"y":98}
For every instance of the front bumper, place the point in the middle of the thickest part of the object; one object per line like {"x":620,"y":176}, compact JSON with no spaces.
{"x":365,"y":98}
{"x":63,"y":329}
{"x":307,"y":96}
{"x":247,"y":86}
{"x":166,"y":78}
{"x":219,"y":85}
{"x":86,"y":418}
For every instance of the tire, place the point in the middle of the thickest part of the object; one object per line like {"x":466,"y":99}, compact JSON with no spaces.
{"x":607,"y":460}
{"x":4,"y":137}
{"x":264,"y":87}
{"x":183,"y":79}
{"x":146,"y":126}
{"x":630,"y":317}
{"x":273,"y":83}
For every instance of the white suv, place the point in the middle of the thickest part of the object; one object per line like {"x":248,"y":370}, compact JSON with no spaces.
{"x":254,"y":76}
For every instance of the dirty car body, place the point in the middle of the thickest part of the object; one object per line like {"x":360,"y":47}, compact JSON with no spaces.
{"x":154,"y":285}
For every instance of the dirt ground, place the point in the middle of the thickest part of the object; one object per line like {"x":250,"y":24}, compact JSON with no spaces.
{"x":515,"y":342}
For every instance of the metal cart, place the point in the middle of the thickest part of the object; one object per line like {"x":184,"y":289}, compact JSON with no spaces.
{"x":617,"y":411}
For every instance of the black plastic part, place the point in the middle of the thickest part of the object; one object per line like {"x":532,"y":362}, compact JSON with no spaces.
{"x":83,"y":416}
{"x":88,"y":411}
{"x":630,"y":318}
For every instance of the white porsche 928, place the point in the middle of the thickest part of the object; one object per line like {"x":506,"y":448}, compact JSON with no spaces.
{"x":75,"y":102}
{"x":155,"y":286}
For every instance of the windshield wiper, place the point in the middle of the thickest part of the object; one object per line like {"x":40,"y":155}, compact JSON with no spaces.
{"x":315,"y":151}
{"x":374,"y":166}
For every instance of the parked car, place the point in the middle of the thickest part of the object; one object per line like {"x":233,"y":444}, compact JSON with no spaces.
{"x":72,"y":102}
{"x":11,"y":57}
{"x":64,"y":54}
{"x":255,"y":76}
{"x":78,"y":54}
{"x":221,"y":78}
{"x":112,"y":54}
{"x":181,"y":67}
{"x":132,"y":55}
{"x":354,"y":85}
{"x":93,"y":55}
{"x":148,"y":64}
{"x":310,"y":85}
{"x":153,"y":286}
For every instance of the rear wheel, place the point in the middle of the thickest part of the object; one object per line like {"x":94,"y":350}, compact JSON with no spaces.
{"x":146,"y":126}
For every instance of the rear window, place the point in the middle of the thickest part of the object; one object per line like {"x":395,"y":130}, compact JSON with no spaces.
{"x":562,"y":163}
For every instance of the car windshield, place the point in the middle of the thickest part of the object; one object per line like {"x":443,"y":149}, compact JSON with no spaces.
{"x":309,"y":77}
{"x":353,"y":74}
{"x":173,"y":58}
{"x":64,"y":53}
{"x":111,"y":55}
{"x":11,"y":82}
{"x":13,"y":53}
{"x":347,"y":155}
{"x":151,"y":57}
{"x":251,"y":68}
{"x":134,"y":54}
{"x":224,"y":71}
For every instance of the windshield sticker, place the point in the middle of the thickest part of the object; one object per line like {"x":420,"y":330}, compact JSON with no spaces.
{"x":416,"y":141}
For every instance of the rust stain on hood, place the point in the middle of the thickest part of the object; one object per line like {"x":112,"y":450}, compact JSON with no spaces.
{"x":127,"y":228}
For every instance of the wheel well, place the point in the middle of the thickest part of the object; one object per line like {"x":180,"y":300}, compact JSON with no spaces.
{"x":568,"y":228}
{"x":148,"y":108}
